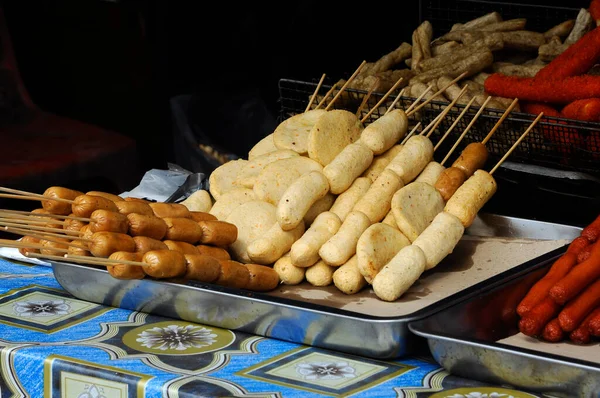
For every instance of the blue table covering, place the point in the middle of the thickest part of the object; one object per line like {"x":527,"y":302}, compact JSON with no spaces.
{"x":54,"y":345}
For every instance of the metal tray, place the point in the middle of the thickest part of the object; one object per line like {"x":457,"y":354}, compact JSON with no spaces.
{"x":478,"y":338}
{"x":324,"y":317}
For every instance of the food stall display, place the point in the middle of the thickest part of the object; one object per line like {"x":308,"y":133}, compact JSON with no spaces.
{"x":351,"y":220}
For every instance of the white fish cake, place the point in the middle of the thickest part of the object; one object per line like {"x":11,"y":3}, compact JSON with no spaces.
{"x":319,"y":274}
{"x":253,"y":220}
{"x":288,"y":273}
{"x":331,"y":133}
{"x":416,"y":153}
{"x":305,"y":251}
{"x":231,"y":200}
{"x":199,"y":201}
{"x":400,"y":273}
{"x":276,"y":177}
{"x":380,"y":162}
{"x":431,"y":173}
{"x":224,"y":177}
{"x":347,"y":166}
{"x":386,"y":131}
{"x":273,"y":244}
{"x":376,"y":247}
{"x":471,"y":196}
{"x":299,"y":198}
{"x":414,"y":206}
{"x":293,"y":132}
{"x":440,"y":238}
{"x":345,"y":201}
{"x":342,"y":245}
{"x":377,"y":201}
{"x":320,"y":206}
{"x":265,"y":145}
{"x":252,"y":168}
{"x":348,"y":279}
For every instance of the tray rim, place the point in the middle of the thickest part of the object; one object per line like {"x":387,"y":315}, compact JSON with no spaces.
{"x":265,"y":298}
{"x":418,"y":328}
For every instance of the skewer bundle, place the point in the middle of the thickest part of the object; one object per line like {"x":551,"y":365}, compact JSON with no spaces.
{"x":132,"y":238}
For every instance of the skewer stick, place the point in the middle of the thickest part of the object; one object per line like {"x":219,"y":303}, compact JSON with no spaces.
{"x":37,"y":228}
{"x":504,"y":116}
{"x":43,"y":215}
{"x":29,"y":221}
{"x":419,"y":98}
{"x":79,"y":259}
{"x":22,"y":245}
{"x":105,"y":261}
{"x":414,"y":130}
{"x":45,"y":236}
{"x":507,"y":154}
{"x":441,"y":90}
{"x":395,"y":101}
{"x":366,"y":98}
{"x":327,"y":94}
{"x":391,"y":90}
{"x":471,"y":123}
{"x":312,"y":98}
{"x":447,"y":109}
{"x":460,"y":116}
{"x":435,"y":119}
{"x":346,"y":85}
{"x":33,"y":195}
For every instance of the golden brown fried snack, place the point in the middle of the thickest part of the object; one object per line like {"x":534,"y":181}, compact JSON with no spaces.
{"x":421,"y":39}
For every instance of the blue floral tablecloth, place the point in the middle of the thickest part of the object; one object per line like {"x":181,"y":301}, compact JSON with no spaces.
{"x":54,"y":345}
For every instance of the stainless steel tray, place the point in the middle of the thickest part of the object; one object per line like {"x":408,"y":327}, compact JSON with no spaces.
{"x":478,"y":338}
{"x":324,"y":317}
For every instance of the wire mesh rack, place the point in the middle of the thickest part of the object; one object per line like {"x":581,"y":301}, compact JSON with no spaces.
{"x":556,"y":143}
{"x":540,"y":17}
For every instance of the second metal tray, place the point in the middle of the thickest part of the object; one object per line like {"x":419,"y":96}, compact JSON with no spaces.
{"x":479,"y":338}
{"x":324,"y":317}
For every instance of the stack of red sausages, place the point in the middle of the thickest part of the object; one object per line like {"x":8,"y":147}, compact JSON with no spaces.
{"x":565,"y":303}
{"x":172,"y":241}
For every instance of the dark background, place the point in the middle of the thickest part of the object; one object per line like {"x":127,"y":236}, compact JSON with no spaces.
{"x":117,"y":64}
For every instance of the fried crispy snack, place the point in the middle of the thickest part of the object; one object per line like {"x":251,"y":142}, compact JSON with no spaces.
{"x":523,"y":40}
{"x":583,"y":24}
{"x":386,"y":80}
{"x":490,"y":42}
{"x":560,"y":30}
{"x":516,"y":70}
{"x":453,"y":90}
{"x":421,"y":39}
{"x":477,"y":23}
{"x":444,"y":48}
{"x":388,"y":61}
{"x":472,"y":65}
{"x":505,"y":26}
{"x":552,"y":49}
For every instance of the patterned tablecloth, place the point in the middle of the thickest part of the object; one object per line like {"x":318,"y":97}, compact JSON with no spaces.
{"x":54,"y":345}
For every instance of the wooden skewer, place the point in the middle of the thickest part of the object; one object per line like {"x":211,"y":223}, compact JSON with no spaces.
{"x":436,"y":94}
{"x":479,"y":112}
{"x":391,"y":90}
{"x":419,"y":98}
{"x":29,"y":221}
{"x":45,"y":236}
{"x":40,"y":229}
{"x":504,"y":116}
{"x":447,"y":109}
{"x":395,"y":101}
{"x":431,"y":123}
{"x":312,"y":98}
{"x":80,"y":259}
{"x":42,"y":215}
{"x":106,"y":261}
{"x":33,"y":195}
{"x":414,"y":130}
{"x":21,"y":245}
{"x":464,"y":111}
{"x":345,"y":85}
{"x":507,"y":154}
{"x":364,"y":101}
{"x":327,"y":94}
